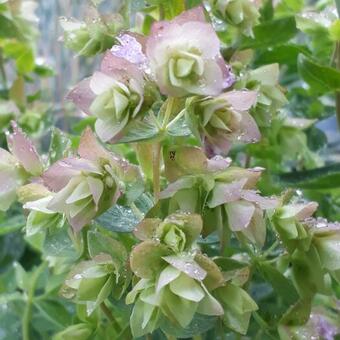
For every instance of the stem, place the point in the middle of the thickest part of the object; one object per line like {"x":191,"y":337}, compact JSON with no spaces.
{"x":177,"y":118}
{"x":337,"y":95}
{"x":3,"y":71}
{"x":263,"y":324}
{"x":27,"y":316}
{"x":168,"y":111}
{"x":110,"y":317}
{"x":156,"y":170}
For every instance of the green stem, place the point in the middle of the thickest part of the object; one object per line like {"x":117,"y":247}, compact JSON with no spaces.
{"x":3,"y":71}
{"x":27,"y":315}
{"x":156,"y":169}
{"x":263,"y":324}
{"x":168,"y":111}
{"x":110,"y":317}
{"x":337,"y":95}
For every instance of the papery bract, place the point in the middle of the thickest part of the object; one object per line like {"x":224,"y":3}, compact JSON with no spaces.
{"x":184,"y":56}
{"x":114,"y":95}
{"x":223,"y":120}
{"x":87,"y":186}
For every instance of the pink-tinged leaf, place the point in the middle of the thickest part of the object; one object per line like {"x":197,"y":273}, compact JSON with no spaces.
{"x":194,"y":14}
{"x":239,"y":214}
{"x":82,"y":96}
{"x":218,"y":163}
{"x":299,"y":211}
{"x":249,"y":131}
{"x":218,"y":144}
{"x":60,"y":173}
{"x":146,"y":259}
{"x":187,"y":265}
{"x":145,"y":230}
{"x":226,"y":192}
{"x":24,"y":150}
{"x":120,"y":69}
{"x":183,"y":183}
{"x":263,"y":202}
{"x":82,"y":219}
{"x":90,"y":148}
{"x":240,"y":100}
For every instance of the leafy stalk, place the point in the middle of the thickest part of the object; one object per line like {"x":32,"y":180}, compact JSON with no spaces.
{"x":27,"y":316}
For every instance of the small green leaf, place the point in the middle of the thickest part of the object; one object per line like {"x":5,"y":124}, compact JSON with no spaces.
{"x":320,"y":78}
{"x":119,"y":219}
{"x":59,"y":146}
{"x":281,"y":285}
{"x":54,"y":312}
{"x":140,"y":131}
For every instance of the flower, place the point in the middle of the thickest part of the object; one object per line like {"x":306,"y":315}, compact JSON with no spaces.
{"x":114,"y":95}
{"x":224,"y":195}
{"x":178,"y":231}
{"x":184,"y":56}
{"x":242,"y":14}
{"x":17,"y":166}
{"x":95,"y":35}
{"x":92,"y":281}
{"x":173,"y":286}
{"x":222,"y":120}
{"x":87,"y":186}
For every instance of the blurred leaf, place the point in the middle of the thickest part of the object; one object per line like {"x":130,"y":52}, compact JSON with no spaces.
{"x":12,"y":224}
{"x":7,"y":28}
{"x":281,"y":285}
{"x":43,"y":71}
{"x":199,"y":324}
{"x":327,"y":177}
{"x":298,"y":314}
{"x":17,"y":92}
{"x":271,"y":33}
{"x":54,"y":312}
{"x":320,"y":78}
{"x":192,"y":3}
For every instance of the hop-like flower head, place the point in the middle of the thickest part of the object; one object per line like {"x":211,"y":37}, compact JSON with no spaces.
{"x":184,"y":56}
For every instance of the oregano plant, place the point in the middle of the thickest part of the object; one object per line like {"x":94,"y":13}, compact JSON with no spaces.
{"x":187,"y":206}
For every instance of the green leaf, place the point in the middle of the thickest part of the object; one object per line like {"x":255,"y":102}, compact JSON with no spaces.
{"x":59,"y":146}
{"x":7,"y":28}
{"x":320,"y":78}
{"x":298,"y":314}
{"x":12,"y":224}
{"x":271,"y":33}
{"x":199,"y":324}
{"x":281,"y":285}
{"x":139,"y":131}
{"x":327,"y":177}
{"x":54,"y":312}
{"x":119,"y":219}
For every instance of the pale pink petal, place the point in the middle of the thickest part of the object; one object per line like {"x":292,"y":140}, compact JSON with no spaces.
{"x":82,"y":96}
{"x":100,"y":82}
{"x":307,"y":210}
{"x":239,"y":214}
{"x":24,"y":150}
{"x":226,"y":192}
{"x":263,"y":202}
{"x":194,"y":14}
{"x":96,"y":187}
{"x":218,"y":163}
{"x":240,"y":100}
{"x":120,"y":69}
{"x":172,"y":188}
{"x":60,"y":173}
{"x":130,"y":48}
{"x":249,"y":131}
{"x":90,"y":148}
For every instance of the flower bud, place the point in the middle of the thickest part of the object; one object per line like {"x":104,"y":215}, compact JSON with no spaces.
{"x":242,"y":14}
